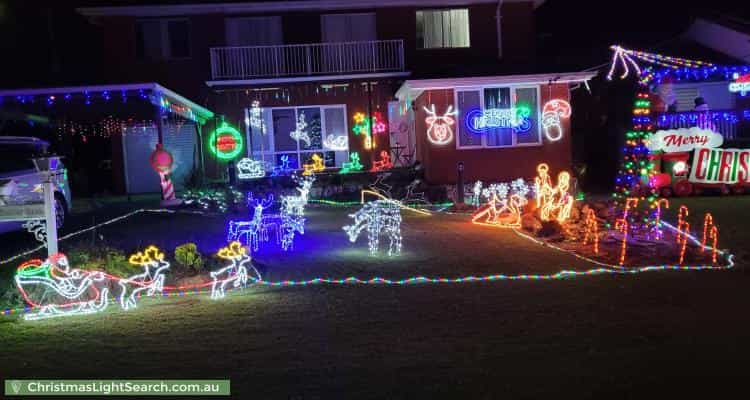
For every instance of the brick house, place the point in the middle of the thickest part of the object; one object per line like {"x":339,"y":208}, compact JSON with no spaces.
{"x":355,"y":76}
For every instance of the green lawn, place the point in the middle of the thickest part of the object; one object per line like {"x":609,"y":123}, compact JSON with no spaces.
{"x":598,"y":337}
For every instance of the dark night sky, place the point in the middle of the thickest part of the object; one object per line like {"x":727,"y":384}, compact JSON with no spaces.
{"x":573,"y":34}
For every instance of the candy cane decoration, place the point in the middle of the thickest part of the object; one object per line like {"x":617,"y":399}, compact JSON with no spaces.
{"x":708,"y":221}
{"x":659,"y":232}
{"x":167,"y":187}
{"x":622,"y":226}
{"x":681,"y":214}
{"x":592,"y":229}
{"x":715,"y":238}
{"x":683,"y":243}
{"x":630,"y":202}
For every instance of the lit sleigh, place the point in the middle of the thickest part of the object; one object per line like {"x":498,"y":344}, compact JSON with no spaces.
{"x":56,"y":289}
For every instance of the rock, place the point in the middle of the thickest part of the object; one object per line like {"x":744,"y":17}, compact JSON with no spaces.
{"x":530,"y":223}
{"x":603,"y":213}
{"x":550,"y":229}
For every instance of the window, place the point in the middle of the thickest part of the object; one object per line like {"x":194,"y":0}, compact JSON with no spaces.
{"x":277,"y":142}
{"x":254,"y":31}
{"x":438,"y":29}
{"x":498,"y":117}
{"x":162,"y":39}
{"x":348,"y":27}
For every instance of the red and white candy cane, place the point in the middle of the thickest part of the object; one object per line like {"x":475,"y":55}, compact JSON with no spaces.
{"x":167,"y":188}
{"x":552,"y":113}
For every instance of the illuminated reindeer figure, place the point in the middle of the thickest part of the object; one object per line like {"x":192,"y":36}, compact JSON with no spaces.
{"x":440,"y":130}
{"x":377,"y":216}
{"x":292,"y":218}
{"x":296,"y":204}
{"x":234,"y":273}
{"x":151,"y":280}
{"x":256,"y":229}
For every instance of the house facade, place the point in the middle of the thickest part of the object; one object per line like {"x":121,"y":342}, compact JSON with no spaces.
{"x":334,"y":77}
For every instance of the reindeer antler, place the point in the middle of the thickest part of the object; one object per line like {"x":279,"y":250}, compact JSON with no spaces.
{"x":151,"y":254}
{"x":233,"y":251}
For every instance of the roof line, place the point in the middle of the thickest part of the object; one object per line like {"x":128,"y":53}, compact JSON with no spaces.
{"x":201,"y":111}
{"x":266,"y":81}
{"x":273,"y":6}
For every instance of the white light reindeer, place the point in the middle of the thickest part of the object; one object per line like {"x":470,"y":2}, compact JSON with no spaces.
{"x":378,"y":216}
{"x":151,"y":280}
{"x":235,"y":273}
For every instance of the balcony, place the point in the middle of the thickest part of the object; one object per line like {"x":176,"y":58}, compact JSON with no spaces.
{"x":301,"y":60}
{"x":731,"y":124}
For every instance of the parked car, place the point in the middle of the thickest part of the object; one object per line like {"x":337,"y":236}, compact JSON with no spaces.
{"x":19,"y":181}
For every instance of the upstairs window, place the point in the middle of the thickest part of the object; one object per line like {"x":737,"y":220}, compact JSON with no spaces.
{"x":254,"y":31}
{"x":438,"y":29}
{"x":162,"y":39}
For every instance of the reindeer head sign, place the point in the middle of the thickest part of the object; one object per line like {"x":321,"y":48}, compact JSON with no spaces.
{"x":439,"y":130}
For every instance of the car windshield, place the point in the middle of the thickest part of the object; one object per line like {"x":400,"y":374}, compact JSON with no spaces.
{"x":18,"y":156}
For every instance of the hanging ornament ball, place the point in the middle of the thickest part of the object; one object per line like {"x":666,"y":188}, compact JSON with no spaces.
{"x":226,"y":142}
{"x":161,"y":160}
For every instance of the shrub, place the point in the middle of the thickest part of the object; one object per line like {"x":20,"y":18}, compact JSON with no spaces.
{"x":188,"y":257}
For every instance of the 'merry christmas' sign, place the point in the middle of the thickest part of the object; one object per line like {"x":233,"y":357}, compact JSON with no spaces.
{"x":684,"y":139}
{"x":721,"y":166}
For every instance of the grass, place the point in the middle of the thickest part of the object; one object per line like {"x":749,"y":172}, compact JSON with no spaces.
{"x":607,"y":336}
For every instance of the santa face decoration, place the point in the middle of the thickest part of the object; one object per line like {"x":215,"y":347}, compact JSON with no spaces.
{"x":440,"y":127}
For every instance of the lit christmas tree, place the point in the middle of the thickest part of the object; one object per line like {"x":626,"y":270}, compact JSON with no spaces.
{"x":633,"y":179}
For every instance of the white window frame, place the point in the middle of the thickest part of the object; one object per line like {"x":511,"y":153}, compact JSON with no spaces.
{"x":166,"y":49}
{"x":442,"y":10}
{"x":460,"y":124}
{"x":299,"y":152}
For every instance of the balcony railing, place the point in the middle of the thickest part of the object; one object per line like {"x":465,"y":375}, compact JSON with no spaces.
{"x":250,"y":62}
{"x":731,"y":124}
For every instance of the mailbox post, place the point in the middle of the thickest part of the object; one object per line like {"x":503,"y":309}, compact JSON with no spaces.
{"x":48,"y":168}
{"x":460,"y":183}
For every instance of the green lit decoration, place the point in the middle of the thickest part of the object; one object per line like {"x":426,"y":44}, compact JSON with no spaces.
{"x":225,"y":142}
{"x":352,"y":165}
